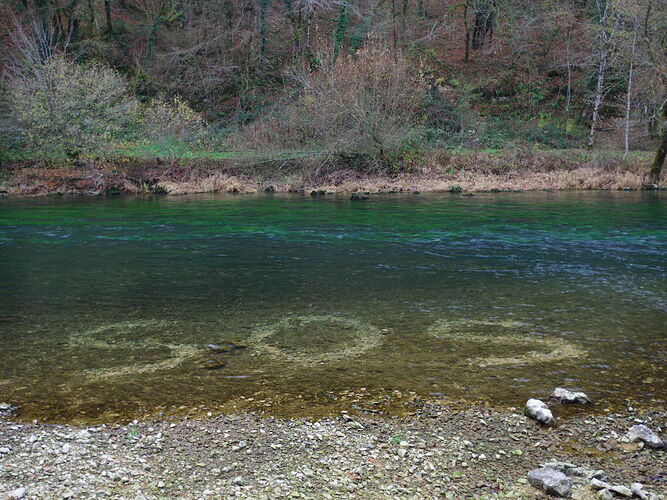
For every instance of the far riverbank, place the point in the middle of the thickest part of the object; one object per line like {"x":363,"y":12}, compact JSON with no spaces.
{"x":444,"y":171}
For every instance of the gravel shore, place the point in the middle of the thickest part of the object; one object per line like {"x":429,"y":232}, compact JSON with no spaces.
{"x":442,"y":452}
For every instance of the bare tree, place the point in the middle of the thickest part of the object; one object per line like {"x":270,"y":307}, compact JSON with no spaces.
{"x":605,"y":47}
{"x":628,"y":101}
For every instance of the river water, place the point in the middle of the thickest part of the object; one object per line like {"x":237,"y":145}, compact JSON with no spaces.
{"x":107,"y":305}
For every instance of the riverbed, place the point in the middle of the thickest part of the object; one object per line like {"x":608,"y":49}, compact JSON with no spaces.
{"x":318,"y":304}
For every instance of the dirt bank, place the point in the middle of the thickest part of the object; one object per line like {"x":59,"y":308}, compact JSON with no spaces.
{"x":441,"y":452}
{"x":470,"y":172}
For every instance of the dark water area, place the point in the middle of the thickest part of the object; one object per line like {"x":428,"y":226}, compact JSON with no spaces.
{"x":107,"y":304}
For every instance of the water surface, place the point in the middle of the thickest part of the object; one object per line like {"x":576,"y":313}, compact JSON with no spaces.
{"x":107,"y":305}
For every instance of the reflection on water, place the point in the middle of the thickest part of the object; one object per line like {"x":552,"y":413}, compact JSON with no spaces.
{"x":107,"y":306}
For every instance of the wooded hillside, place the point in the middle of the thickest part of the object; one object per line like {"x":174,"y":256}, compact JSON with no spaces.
{"x":373,"y":80}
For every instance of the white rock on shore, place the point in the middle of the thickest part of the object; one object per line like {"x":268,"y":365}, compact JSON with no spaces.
{"x":17,"y":494}
{"x":550,"y":481}
{"x":537,"y":410}
{"x":568,"y":396}
{"x":642,"y":433}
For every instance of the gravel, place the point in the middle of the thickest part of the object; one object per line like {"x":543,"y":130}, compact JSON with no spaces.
{"x":441,"y":452}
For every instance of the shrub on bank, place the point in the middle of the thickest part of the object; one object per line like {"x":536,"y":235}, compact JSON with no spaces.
{"x":173,"y":126}
{"x":63,"y":109}
{"x":361,"y":110}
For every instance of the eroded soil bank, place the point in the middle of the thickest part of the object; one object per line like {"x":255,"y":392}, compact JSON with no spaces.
{"x":440,"y":451}
{"x":516,"y":170}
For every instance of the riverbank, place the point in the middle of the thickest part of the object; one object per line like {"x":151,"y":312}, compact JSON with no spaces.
{"x":442,"y":171}
{"x":441,"y":452}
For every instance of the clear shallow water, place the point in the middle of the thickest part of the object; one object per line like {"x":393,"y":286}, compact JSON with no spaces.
{"x":106,"y":305}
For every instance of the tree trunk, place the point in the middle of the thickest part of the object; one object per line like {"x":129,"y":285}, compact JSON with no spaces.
{"x":568,"y":101}
{"x":484,"y":20}
{"x":629,"y":96}
{"x":659,"y":161}
{"x":466,"y":57}
{"x":107,"y":13}
{"x":339,"y":31}
{"x":599,"y":94}
{"x":603,"y":42}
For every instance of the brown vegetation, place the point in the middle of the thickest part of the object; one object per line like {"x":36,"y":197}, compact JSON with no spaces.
{"x":440,"y":172}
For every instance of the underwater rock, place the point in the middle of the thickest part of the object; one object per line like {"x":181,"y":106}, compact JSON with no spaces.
{"x":550,"y":481}
{"x":211,"y":364}
{"x":219,"y":348}
{"x":6,"y":408}
{"x":360,"y":196}
{"x":539,"y":411}
{"x":642,"y":433}
{"x":226,"y":347}
{"x":567,"y":396}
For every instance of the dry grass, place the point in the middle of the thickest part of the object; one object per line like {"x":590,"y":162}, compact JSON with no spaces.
{"x":474,"y":172}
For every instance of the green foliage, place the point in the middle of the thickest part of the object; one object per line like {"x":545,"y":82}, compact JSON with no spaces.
{"x":441,"y":113}
{"x":62,"y":109}
{"x":551,"y":131}
{"x":173,"y":127}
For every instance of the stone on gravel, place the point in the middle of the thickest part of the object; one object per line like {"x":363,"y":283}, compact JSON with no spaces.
{"x":642,"y":433}
{"x":568,"y":396}
{"x":4,"y":450}
{"x":539,"y":411}
{"x":550,"y":481}
{"x":621,"y":490}
{"x":638,"y":490}
{"x":17,"y":494}
{"x":596,"y":484}
{"x":578,"y":473}
{"x":604,"y":495}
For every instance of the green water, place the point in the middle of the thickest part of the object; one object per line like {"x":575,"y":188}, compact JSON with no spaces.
{"x":107,"y":305}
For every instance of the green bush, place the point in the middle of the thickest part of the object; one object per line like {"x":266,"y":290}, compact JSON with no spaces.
{"x":553,"y":132}
{"x":173,"y":126}
{"x":63,"y":109}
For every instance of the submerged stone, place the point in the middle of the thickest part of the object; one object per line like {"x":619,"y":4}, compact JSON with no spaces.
{"x":568,"y":396}
{"x":219,"y":348}
{"x":211,"y":364}
{"x":550,"y":481}
{"x":537,"y":410}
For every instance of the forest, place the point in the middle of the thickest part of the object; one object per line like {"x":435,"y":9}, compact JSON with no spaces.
{"x":371,"y":85}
